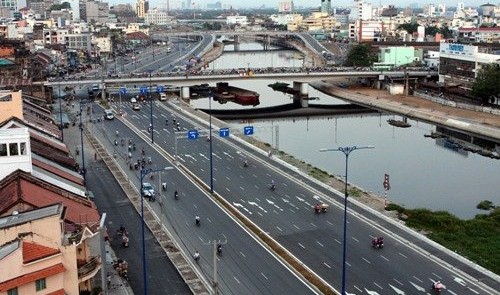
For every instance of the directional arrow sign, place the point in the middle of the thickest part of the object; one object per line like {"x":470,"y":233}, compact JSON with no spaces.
{"x":144,"y":89}
{"x":224,"y":132}
{"x":193,"y":134}
{"x":123,"y":90}
{"x":248,"y":130}
{"x":159,"y":89}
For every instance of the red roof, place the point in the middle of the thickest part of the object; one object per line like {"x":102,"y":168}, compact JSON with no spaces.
{"x":22,"y":187}
{"x":137,"y":36}
{"x":58,"y":292}
{"x":31,"y":277}
{"x":54,"y":170}
{"x":34,"y":251}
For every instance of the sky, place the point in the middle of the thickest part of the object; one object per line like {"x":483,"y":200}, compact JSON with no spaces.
{"x":305,"y":3}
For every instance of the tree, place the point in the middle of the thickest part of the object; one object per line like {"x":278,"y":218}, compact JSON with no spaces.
{"x":486,"y":86}
{"x":360,"y":56}
{"x":409,"y":27}
{"x":446,"y":32}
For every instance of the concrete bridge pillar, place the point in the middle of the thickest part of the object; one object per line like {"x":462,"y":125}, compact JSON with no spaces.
{"x":102,"y":86}
{"x":378,"y":84}
{"x":185,"y":95}
{"x":302,"y":96}
{"x":267,"y":42}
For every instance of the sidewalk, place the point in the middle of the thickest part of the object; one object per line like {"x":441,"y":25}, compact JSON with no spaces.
{"x":116,"y":284}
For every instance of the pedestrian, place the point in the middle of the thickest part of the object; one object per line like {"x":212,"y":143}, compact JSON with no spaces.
{"x":95,"y":156}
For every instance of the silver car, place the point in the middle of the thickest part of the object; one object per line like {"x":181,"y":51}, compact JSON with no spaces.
{"x":148,"y":191}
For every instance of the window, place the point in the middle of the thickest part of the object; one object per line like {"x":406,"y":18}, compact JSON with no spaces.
{"x":3,"y":149}
{"x":40,"y":284}
{"x":13,"y":149}
{"x":12,"y":291}
{"x":23,"y":148}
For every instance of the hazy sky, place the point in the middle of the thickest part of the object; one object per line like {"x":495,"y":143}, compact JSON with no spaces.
{"x":304,"y":3}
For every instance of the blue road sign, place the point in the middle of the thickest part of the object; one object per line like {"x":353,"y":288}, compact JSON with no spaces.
{"x":123,"y":90}
{"x":224,"y":132}
{"x":193,"y":134}
{"x":159,"y":89}
{"x":248,"y":130}
{"x":144,"y":89}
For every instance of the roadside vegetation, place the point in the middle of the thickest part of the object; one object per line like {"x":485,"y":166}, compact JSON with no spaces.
{"x":477,"y":239}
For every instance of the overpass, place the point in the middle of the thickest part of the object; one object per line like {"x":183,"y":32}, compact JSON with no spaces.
{"x":190,"y":79}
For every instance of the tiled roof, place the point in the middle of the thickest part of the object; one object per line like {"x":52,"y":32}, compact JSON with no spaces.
{"x":137,"y":36}
{"x":34,"y":251}
{"x":22,"y":187}
{"x":57,"y":171}
{"x":31,"y":277}
{"x":58,"y":292}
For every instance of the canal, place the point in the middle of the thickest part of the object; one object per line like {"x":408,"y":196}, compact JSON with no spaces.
{"x":424,"y":172}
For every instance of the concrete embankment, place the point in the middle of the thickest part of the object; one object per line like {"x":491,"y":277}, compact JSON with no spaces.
{"x":481,"y":124}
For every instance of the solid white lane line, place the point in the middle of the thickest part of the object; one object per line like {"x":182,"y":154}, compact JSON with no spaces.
{"x":383,"y":257}
{"x":243,"y":254}
{"x":319,"y":243}
{"x":264,"y":276}
{"x":302,"y":246}
{"x":279,"y":228}
{"x":337,"y":241}
{"x":313,"y":224}
{"x":367,"y":261}
{"x":329,"y":222}
{"x":236,"y":280}
{"x":356,"y":287}
{"x":296,"y":226}
{"x":355,"y":239}
{"x":325,"y":264}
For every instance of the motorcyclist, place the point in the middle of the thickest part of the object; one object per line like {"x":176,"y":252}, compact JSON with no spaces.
{"x":196,"y":255}
{"x":245,"y":163}
{"x":176,"y":195}
{"x":273,"y":185}
{"x":125,"y":240}
{"x":197,"y":220}
{"x":437,"y":286}
{"x":219,"y":249}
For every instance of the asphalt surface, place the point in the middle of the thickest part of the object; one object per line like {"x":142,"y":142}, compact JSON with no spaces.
{"x":110,"y":199}
{"x":245,"y":267}
{"x":286,"y":213}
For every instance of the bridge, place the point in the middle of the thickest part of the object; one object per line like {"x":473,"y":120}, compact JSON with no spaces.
{"x":190,"y":79}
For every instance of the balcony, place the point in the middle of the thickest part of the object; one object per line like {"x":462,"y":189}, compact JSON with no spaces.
{"x":88,"y":269}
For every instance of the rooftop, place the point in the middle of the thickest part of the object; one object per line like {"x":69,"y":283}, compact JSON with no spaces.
{"x":27,"y":216}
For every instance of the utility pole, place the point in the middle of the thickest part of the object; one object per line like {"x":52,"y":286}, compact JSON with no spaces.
{"x":215,"y":243}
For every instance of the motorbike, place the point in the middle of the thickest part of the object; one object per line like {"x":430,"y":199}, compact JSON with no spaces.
{"x":121,"y":267}
{"x":378,"y":243}
{"x":176,"y":195}
{"x":197,"y":221}
{"x":219,"y":250}
{"x":272,"y":187}
{"x":164,"y":186}
{"x":437,"y":287}
{"x":125,"y":240}
{"x":196,"y":256}
{"x":245,"y":163}
{"x":320,"y":208}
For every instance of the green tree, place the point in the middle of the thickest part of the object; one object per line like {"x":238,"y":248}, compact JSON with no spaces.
{"x":64,"y":5}
{"x":360,"y":56}
{"x":409,"y":27}
{"x":446,"y":32}
{"x":431,"y":30}
{"x":486,"y":86}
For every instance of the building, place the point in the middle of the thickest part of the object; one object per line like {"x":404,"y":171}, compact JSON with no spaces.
{"x":361,"y":30}
{"x":326,"y":6}
{"x":361,"y":11}
{"x":78,"y":42}
{"x":10,"y":104}
{"x":141,"y":8}
{"x":96,"y":12}
{"x":285,"y":19}
{"x":240,"y":20}
{"x":158,"y":17}
{"x":459,"y":64}
{"x":488,"y":35}
{"x":75,"y":8}
{"x":33,"y":255}
{"x":285,"y":7}
{"x":397,"y":56}
{"x":316,"y":22}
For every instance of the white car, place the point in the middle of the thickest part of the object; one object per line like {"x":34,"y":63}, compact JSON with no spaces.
{"x":148,"y":191}
{"x":133,"y":100}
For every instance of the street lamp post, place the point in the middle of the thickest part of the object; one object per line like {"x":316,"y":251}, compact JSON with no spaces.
{"x":81,"y":140}
{"x":210,"y":143}
{"x":346,"y":150}
{"x":60,"y":110}
{"x":144,"y":173}
{"x":151,"y":106}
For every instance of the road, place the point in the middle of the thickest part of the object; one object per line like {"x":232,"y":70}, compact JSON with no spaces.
{"x":402,"y":267}
{"x":246,"y":267}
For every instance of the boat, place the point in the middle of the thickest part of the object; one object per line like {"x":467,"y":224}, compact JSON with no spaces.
{"x":399,"y":123}
{"x":284,"y":87}
{"x":222,"y":96}
{"x":241,"y":96}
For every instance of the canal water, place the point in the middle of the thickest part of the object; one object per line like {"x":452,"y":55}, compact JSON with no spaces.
{"x":424,"y":172}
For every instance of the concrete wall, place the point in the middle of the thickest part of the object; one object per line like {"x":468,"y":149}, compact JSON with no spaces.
{"x":457,"y":104}
{"x":11,"y":105}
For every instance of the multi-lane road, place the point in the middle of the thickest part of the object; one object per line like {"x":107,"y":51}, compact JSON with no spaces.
{"x":406,"y":265}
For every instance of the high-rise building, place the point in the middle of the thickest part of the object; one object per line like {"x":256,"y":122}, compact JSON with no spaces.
{"x":285,"y":6}
{"x":326,"y":6}
{"x":142,"y":7}
{"x":460,"y":6}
